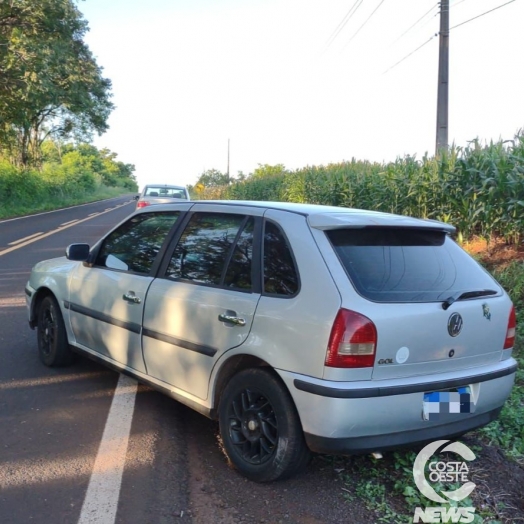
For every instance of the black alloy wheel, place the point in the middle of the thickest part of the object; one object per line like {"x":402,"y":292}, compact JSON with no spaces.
{"x":260,"y":427}
{"x":53,"y":346}
{"x":253,"y":426}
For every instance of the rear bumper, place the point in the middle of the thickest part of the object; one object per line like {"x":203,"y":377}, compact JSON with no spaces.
{"x":364,"y":416}
{"x":404,"y":389}
{"x":369,"y":444}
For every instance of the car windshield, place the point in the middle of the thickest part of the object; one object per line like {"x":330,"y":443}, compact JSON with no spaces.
{"x":407,"y":265}
{"x":165,"y":192}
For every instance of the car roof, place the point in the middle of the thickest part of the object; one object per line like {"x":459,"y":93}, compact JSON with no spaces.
{"x":164,"y":185}
{"x":332,"y":217}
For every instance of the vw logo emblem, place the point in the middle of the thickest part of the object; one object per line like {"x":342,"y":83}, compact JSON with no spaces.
{"x":454,"y":324}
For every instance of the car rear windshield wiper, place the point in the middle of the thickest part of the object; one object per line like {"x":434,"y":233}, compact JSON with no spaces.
{"x":467,"y":294}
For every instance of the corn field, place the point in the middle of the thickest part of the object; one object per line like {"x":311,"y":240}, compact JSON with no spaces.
{"x":479,"y":188}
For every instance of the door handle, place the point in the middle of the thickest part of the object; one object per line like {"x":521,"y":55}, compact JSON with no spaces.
{"x":230,"y":319}
{"x":132,"y":298}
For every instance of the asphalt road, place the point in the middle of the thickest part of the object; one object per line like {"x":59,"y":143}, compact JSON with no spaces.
{"x":52,"y":420}
{"x":52,"y":423}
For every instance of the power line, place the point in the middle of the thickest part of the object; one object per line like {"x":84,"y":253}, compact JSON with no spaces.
{"x":436,"y":34}
{"x":419,"y":20}
{"x":412,"y":53}
{"x":365,"y":22}
{"x":343,"y":23}
{"x":474,"y":18}
{"x":431,"y":19}
{"x":457,"y":3}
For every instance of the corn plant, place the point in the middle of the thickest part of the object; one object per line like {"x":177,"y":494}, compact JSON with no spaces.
{"x":478,"y":188}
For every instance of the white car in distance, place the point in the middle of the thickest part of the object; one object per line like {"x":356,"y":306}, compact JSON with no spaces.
{"x":161,"y":194}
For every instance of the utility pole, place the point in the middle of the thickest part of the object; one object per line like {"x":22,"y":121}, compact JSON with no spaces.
{"x":443,"y":80}
{"x":228,"y":160}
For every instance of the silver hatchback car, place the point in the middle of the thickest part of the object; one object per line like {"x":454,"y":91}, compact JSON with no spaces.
{"x":298,"y":327}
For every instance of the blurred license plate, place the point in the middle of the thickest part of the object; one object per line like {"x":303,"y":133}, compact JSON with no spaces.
{"x":449,"y":403}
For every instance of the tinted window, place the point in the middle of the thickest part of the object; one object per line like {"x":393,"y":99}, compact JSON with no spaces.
{"x":205,"y":248}
{"x":280,"y":274}
{"x":388,"y":265}
{"x":238,"y":274}
{"x":136,"y":243}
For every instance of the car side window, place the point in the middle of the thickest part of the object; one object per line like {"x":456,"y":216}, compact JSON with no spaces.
{"x":280,"y":272}
{"x":238,"y":273}
{"x":214,"y":249}
{"x":135,"y":244}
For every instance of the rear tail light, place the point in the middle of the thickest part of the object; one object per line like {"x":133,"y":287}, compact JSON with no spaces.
{"x":352,"y":342}
{"x":510,"y":333}
{"x":142,"y":203}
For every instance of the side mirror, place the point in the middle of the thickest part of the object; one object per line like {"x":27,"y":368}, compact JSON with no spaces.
{"x":77,"y":252}
{"x":137,"y":197}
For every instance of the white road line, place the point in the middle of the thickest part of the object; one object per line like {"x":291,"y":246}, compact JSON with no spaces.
{"x":49,"y":233}
{"x":24,"y":239}
{"x":101,"y":501}
{"x":62,"y":209}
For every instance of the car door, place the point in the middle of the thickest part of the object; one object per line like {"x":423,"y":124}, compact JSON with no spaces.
{"x":204,"y":300}
{"x":106,"y":301}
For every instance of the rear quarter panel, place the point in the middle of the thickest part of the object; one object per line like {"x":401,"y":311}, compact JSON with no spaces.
{"x":293,"y":333}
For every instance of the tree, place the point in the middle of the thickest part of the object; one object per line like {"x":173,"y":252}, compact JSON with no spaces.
{"x":102,"y":165}
{"x":213,"y":178}
{"x":50,"y":83}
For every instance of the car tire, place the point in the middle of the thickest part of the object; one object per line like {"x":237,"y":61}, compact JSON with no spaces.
{"x":260,"y":428}
{"x":53,"y":347}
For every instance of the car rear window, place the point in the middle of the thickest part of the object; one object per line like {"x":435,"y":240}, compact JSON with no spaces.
{"x":407,"y":265}
{"x":165,"y":192}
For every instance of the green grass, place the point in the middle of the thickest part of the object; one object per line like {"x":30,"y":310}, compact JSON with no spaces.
{"x":386,"y":488}
{"x":22,"y":208}
{"x":69,"y":174}
{"x":508,"y":431}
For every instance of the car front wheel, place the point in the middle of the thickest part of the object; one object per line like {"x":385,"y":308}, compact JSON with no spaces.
{"x":260,"y":427}
{"x":53,"y":347}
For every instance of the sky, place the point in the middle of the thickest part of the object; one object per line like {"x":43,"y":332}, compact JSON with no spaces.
{"x":297,"y":82}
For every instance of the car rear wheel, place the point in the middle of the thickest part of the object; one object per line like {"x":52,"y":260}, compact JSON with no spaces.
{"x":53,"y":347}
{"x":260,"y":427}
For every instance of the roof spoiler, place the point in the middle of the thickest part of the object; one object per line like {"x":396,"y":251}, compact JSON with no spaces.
{"x":326,"y":221}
